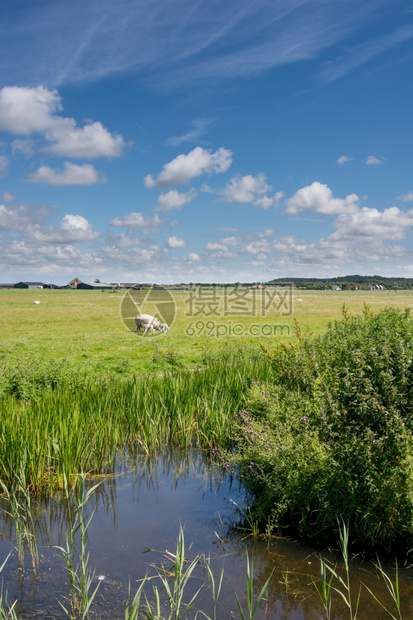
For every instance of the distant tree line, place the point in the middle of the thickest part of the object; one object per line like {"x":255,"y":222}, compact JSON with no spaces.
{"x":346,"y":282}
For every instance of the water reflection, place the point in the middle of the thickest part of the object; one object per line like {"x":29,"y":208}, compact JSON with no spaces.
{"x":142,"y":507}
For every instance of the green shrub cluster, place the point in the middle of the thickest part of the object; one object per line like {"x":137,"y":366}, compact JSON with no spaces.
{"x":331,"y":436}
{"x":28,"y":380}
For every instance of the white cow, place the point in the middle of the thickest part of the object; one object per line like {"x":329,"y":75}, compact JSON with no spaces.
{"x":147,"y":322}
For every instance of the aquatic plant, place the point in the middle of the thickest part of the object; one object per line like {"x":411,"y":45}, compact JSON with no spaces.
{"x":79,"y":602}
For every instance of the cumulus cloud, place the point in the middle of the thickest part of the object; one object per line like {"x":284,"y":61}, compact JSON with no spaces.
{"x":138,"y":220}
{"x":319,"y":198}
{"x":71,"y":229}
{"x":406,"y":197}
{"x":185,"y":167}
{"x":173,"y":200}
{"x":344,"y":160}
{"x":245,"y":189}
{"x":217,"y":246}
{"x":193,"y":257}
{"x":176,"y":242}
{"x":265,"y":202}
{"x":372,"y":160}
{"x":391,"y":223}
{"x":72,"y":174}
{"x":26,"y":111}
{"x":92,"y":140}
{"x":19,"y":217}
{"x":220,"y":249}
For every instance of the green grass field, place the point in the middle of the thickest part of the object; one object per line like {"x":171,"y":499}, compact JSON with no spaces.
{"x":85,"y":328}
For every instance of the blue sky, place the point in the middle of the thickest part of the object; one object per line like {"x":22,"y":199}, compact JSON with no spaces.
{"x":205,"y":141}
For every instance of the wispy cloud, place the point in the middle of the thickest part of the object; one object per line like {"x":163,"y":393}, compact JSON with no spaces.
{"x":198,"y":129}
{"x":344,"y":160}
{"x":372,"y":160}
{"x":363,"y":53}
{"x":60,"y":43}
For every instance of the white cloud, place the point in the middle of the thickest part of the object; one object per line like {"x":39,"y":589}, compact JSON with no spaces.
{"x":138,"y":220}
{"x":265,"y":202}
{"x":72,"y":174}
{"x":344,"y":160}
{"x":91,"y":141}
{"x":319,"y":198}
{"x":193,"y":257}
{"x":184,"y":167}
{"x":21,"y":216}
{"x":173,"y":200}
{"x":372,"y":160}
{"x":245,"y":189}
{"x":26,"y":111}
{"x":216,"y":247}
{"x":230,"y":241}
{"x":4,"y":165}
{"x":71,"y":229}
{"x":176,"y":242}
{"x":406,"y":197}
{"x":391,"y":223}
{"x":266,"y":233}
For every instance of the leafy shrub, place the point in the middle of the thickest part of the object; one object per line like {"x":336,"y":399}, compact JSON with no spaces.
{"x":332,"y":436}
{"x":27,"y":380}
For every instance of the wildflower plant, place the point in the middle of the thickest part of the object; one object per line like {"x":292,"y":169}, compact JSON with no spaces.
{"x":331,"y":437}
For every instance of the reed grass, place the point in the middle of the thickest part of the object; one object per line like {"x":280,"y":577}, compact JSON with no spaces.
{"x":85,"y":425}
{"x":78,"y":603}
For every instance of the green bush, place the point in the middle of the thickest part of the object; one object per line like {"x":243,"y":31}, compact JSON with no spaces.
{"x":331,"y":437}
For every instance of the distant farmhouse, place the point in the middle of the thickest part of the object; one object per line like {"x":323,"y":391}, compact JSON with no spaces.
{"x":34,"y":285}
{"x":76,"y":283}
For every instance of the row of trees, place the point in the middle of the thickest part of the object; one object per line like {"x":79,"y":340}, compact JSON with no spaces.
{"x":347,"y":282}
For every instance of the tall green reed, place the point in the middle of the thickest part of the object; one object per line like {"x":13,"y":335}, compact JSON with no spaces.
{"x":82,"y":427}
{"x":19,"y":499}
{"x":79,"y":602}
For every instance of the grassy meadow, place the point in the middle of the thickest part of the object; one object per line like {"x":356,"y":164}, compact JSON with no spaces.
{"x":85,"y":328}
{"x":77,"y":387}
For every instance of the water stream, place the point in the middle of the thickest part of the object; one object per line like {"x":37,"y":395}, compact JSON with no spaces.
{"x":138,"y":514}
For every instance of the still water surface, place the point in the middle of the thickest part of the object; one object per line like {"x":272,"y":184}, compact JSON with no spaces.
{"x":143,"y":507}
